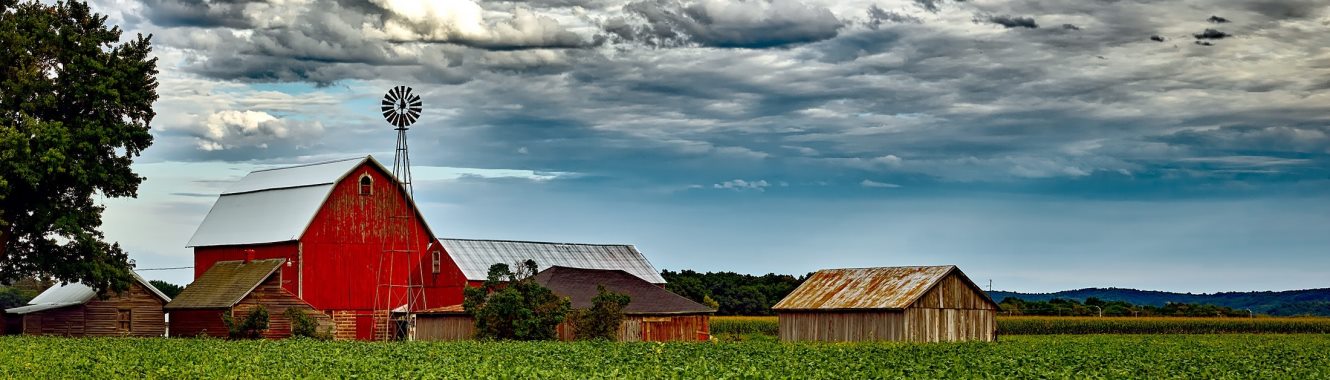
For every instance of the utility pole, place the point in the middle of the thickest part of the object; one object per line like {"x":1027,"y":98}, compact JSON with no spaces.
{"x":990,"y":285}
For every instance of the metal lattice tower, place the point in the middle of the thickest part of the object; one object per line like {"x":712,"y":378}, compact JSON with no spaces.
{"x":397,"y":291}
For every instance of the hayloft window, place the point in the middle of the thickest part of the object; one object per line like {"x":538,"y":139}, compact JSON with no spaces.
{"x":435,"y":259}
{"x":366,"y":184}
{"x":124,"y":320}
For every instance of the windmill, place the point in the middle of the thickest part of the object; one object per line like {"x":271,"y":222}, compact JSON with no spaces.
{"x":396,"y":291}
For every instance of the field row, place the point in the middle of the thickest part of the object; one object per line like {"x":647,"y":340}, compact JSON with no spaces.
{"x":1086,"y":325}
{"x":1086,"y":356}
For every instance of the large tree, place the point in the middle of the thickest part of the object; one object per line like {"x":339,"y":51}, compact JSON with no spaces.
{"x":75,"y":108}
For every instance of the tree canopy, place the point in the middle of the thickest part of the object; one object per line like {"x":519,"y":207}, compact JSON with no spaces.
{"x":512,"y":305}
{"x":75,"y":108}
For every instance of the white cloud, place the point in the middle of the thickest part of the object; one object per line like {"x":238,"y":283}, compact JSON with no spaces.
{"x":872,"y":183}
{"x":740,"y":185}
{"x":232,"y":129}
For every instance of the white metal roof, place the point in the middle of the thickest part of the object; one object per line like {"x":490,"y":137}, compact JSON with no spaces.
{"x":321,"y":173}
{"x":73,"y":293}
{"x":260,"y":217}
{"x":475,"y":257}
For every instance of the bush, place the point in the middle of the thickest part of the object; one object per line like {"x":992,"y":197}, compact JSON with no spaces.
{"x":602,"y":320}
{"x":251,"y":328}
{"x":512,"y":306}
{"x":302,"y":325}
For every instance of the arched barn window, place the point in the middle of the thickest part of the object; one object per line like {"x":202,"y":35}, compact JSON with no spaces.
{"x":366,"y":184}
{"x":436,"y":260}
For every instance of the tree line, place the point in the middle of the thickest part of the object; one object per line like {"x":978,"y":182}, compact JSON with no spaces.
{"x":1097,"y":307}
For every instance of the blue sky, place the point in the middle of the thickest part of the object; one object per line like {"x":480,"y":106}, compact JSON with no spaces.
{"x":1045,"y":145}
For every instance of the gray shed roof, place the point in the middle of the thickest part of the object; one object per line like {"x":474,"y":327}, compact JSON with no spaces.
{"x":273,"y":205}
{"x":475,"y":257}
{"x":73,"y":294}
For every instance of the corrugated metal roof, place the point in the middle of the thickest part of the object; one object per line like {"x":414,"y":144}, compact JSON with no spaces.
{"x":580,"y":286}
{"x":260,"y":217}
{"x":475,"y":257}
{"x":864,"y":288}
{"x":225,"y":284}
{"x":321,"y":173}
{"x":73,"y":293}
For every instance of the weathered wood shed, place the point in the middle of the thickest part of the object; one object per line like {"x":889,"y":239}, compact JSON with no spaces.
{"x":919,"y":304}
{"x":237,"y":288}
{"x":75,"y":310}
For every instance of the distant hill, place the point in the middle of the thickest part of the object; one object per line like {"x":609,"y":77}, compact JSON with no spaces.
{"x":1285,"y":303}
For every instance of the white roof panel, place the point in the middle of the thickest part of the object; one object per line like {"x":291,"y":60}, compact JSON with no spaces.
{"x":294,"y":176}
{"x":70,"y":294}
{"x":260,"y":217}
{"x":475,"y":257}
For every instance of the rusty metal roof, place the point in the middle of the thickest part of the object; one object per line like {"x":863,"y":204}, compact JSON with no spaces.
{"x":475,"y":257}
{"x":225,"y":284}
{"x":864,"y":288}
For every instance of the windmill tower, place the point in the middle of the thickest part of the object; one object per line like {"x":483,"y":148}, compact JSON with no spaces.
{"x":400,"y":290}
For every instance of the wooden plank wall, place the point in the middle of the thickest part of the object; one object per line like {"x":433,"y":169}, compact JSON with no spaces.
{"x":445,"y":327}
{"x":273,"y":297}
{"x":100,"y":317}
{"x":842,"y":326}
{"x":199,"y":322}
{"x":953,"y":310}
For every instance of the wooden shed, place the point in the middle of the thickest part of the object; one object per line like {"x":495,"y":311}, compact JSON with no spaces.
{"x":236,"y":288}
{"x":75,"y":310}
{"x":918,"y":304}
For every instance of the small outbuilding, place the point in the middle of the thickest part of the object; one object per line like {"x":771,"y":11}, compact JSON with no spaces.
{"x":917,"y":304}
{"x":74,"y":310}
{"x":237,"y":288}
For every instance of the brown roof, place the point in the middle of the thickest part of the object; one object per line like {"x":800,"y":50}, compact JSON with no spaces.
{"x":579,"y":285}
{"x":867,"y":288}
{"x":225,"y":284}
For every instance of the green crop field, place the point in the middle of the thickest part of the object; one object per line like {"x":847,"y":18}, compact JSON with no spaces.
{"x":1053,"y":356}
{"x":739,"y":326}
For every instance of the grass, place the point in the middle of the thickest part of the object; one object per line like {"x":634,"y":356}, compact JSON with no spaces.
{"x":1050,"y":356}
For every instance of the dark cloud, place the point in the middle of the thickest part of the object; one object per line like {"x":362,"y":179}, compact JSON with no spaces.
{"x":1157,"y":38}
{"x":198,"y":13}
{"x":1211,"y":34}
{"x":1217,"y":20}
{"x":1070,"y":27}
{"x":1286,"y":9}
{"x":1009,"y":22}
{"x":718,"y":23}
{"x":878,"y":16}
{"x":928,"y":5}
{"x":1204,"y":43}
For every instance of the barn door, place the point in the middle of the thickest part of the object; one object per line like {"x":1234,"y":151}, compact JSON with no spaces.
{"x":365,"y":327}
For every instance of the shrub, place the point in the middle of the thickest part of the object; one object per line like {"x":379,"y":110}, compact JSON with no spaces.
{"x":252,"y":327}
{"x":302,"y":325}
{"x":602,"y":320}
{"x":512,"y":306}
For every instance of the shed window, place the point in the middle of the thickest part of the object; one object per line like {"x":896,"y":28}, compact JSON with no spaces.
{"x":436,"y":260}
{"x":124,"y":320}
{"x":366,"y":184}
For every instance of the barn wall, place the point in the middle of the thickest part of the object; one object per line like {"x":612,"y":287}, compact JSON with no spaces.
{"x":841,"y":326}
{"x":193,"y":323}
{"x":146,"y":316}
{"x":65,"y":321}
{"x":344,"y":244}
{"x":946,"y":325}
{"x":445,"y":327}
{"x":205,"y":257}
{"x":276,"y":299}
{"x":953,"y":292}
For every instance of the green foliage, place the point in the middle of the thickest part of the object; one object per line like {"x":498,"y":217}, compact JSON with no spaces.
{"x":14,"y":297}
{"x":1281,"y":303}
{"x":744,"y":326}
{"x":1160,"y":325}
{"x":304,"y":326}
{"x":602,"y":320}
{"x":1022,"y":357}
{"x":169,"y":289}
{"x":732,"y":293}
{"x":1094,"y":306}
{"x":252,"y":327}
{"x":510,"y":305}
{"x":75,"y":108}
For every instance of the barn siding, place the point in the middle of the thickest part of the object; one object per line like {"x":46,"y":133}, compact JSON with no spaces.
{"x":198,"y":322}
{"x":952,"y":292}
{"x":445,"y":327}
{"x":841,"y":326}
{"x":65,"y":321}
{"x":952,"y":310}
{"x":206,"y":257}
{"x":99,"y":317}
{"x":276,"y":299}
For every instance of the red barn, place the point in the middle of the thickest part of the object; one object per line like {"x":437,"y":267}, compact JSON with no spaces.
{"x":355,"y":245}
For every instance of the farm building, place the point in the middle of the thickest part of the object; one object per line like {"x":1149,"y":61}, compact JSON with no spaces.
{"x":919,"y":304}
{"x":236,"y":288}
{"x":474,"y":257}
{"x":74,"y":309}
{"x":356,"y":245}
{"x":653,"y":314}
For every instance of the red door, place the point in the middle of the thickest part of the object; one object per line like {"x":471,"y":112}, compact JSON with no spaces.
{"x":365,"y":327}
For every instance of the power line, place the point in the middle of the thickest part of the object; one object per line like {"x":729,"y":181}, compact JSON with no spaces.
{"x":168,"y":268}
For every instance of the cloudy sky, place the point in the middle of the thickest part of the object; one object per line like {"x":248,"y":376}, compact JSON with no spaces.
{"x":1042,"y":144}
